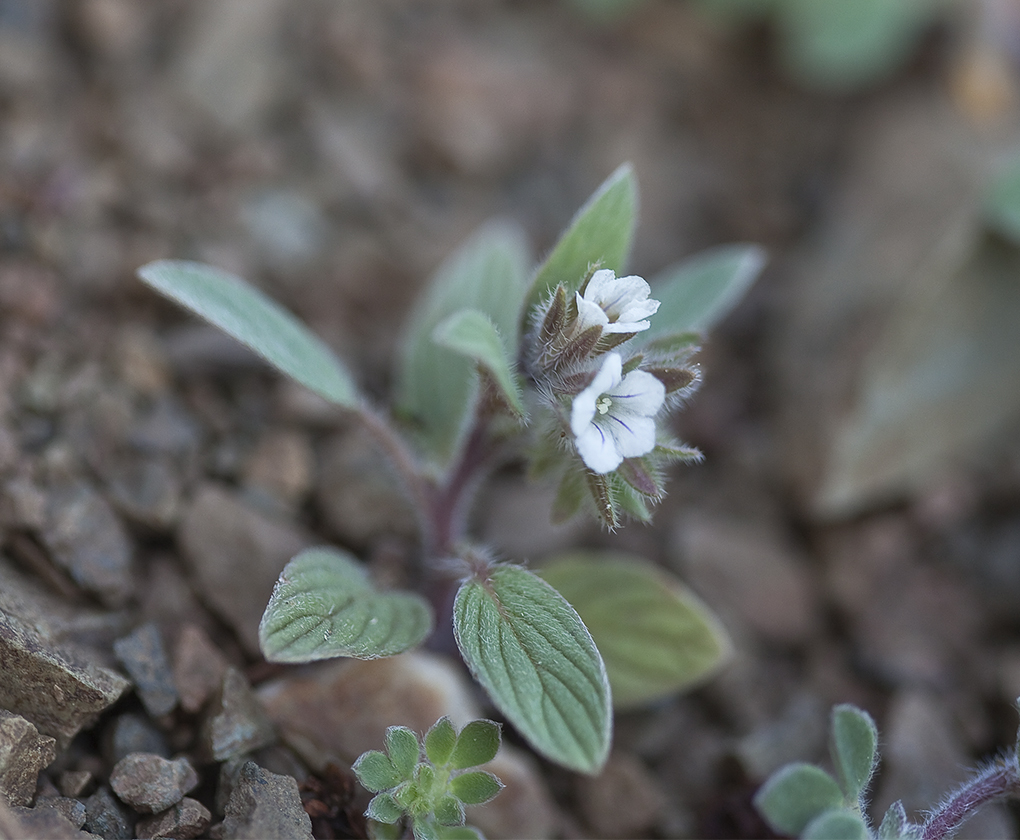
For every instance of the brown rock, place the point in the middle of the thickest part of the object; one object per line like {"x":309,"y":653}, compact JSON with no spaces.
{"x":281,"y":464}
{"x":624,"y":800}
{"x":236,"y":722}
{"x":150,"y":783}
{"x":265,"y":806}
{"x":237,"y":554}
{"x":184,"y":821}
{"x":198,"y":668}
{"x":23,"y":753}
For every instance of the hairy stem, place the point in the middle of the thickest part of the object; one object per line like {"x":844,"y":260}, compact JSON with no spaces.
{"x":994,"y":782}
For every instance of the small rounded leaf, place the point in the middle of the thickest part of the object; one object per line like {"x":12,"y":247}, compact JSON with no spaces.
{"x":475,"y":788}
{"x":477,"y":743}
{"x":257,"y":321}
{"x":460,"y":832}
{"x":853,"y":746}
{"x":439,"y":741}
{"x":839,"y":824}
{"x":795,"y":795}
{"x":325,"y":606}
{"x":894,"y":823}
{"x":384,"y":808}
{"x":376,"y":772}
{"x":533,"y":655}
{"x":449,"y":811}
{"x":403,"y":749}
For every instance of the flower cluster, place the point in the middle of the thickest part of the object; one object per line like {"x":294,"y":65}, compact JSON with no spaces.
{"x":606,"y":396}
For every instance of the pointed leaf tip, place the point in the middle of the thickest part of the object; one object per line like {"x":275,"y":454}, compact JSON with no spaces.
{"x":257,"y":321}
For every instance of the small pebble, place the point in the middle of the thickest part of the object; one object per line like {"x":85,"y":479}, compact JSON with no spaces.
{"x":237,"y":723}
{"x":185,"y":820}
{"x":198,"y":668}
{"x":144,"y":657}
{"x":105,"y":816}
{"x":150,"y":783}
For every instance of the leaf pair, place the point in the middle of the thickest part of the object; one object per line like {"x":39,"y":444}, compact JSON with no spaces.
{"x":803,"y":800}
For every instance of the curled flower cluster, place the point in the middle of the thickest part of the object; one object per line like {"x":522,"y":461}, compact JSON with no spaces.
{"x":606,"y":396}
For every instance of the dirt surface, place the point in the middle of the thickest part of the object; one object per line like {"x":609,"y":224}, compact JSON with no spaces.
{"x":154,"y":476}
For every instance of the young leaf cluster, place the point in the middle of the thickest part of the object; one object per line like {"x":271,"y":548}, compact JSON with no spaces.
{"x":425,"y":783}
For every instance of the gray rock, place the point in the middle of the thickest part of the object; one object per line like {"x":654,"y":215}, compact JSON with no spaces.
{"x":61,"y":687}
{"x":86,"y":538}
{"x":75,"y":782}
{"x":133,"y":733}
{"x":49,"y":823}
{"x":357,"y":492}
{"x":68,"y":807}
{"x":147,"y":492}
{"x":236,"y":723}
{"x":23,"y":753}
{"x":236,"y":554}
{"x":150,"y":783}
{"x":265,"y":806}
{"x":105,"y":816}
{"x":185,"y":820}
{"x":144,"y":657}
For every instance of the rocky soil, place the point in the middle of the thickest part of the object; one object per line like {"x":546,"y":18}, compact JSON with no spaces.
{"x":859,"y":537}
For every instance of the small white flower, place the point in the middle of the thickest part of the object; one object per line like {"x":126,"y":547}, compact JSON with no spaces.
{"x":617,"y":304}
{"x":612,"y":418}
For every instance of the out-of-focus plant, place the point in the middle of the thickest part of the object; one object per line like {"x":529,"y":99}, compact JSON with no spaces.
{"x":572,"y":366}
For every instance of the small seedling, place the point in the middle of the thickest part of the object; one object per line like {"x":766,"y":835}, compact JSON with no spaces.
{"x":424,"y":785}
{"x":804,"y":801}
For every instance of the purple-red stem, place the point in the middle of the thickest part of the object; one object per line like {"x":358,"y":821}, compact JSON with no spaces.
{"x":1001,"y":779}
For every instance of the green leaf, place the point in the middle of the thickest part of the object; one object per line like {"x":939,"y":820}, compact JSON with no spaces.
{"x":1002,"y":202}
{"x":258,"y":322}
{"x":439,"y":741}
{"x":403,"y":749}
{"x":379,"y":830}
{"x":384,"y":808}
{"x":530,"y":651}
{"x":894,"y":824}
{"x":425,"y":828}
{"x":655,"y":636}
{"x":694,"y":295}
{"x":600,"y":234}
{"x":853,"y":745}
{"x":472,"y":334}
{"x":449,"y":811}
{"x":838,"y":824}
{"x":459,"y":832}
{"x":324,"y":606}
{"x":845,"y":46}
{"x":477,"y":744}
{"x":795,"y":795}
{"x":376,"y":772}
{"x":437,"y":387}
{"x":475,"y":788}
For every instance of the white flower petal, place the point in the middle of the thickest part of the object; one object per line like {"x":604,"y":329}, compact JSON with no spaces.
{"x":626,"y":326}
{"x":604,"y":284}
{"x":638,"y":393}
{"x":633,"y":435}
{"x":582,"y":410}
{"x":590,"y":314}
{"x":597,"y":449}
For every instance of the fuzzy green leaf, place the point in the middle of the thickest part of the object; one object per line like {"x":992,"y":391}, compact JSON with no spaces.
{"x":257,"y":321}
{"x":436,"y":386}
{"x":655,"y":636}
{"x":449,"y":811}
{"x":472,"y":334}
{"x":853,"y":745}
{"x":425,"y":828}
{"x":384,"y":808}
{"x":475,"y":788}
{"x":795,"y":795}
{"x":894,"y":824}
{"x":600,"y":234}
{"x":530,"y":651}
{"x":403,"y":749}
{"x":440,"y":741}
{"x":459,"y":832}
{"x":1002,"y":202}
{"x":376,"y":772}
{"x":699,"y":292}
{"x":838,"y":824}
{"x":325,"y":606}
{"x":477,"y":744}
